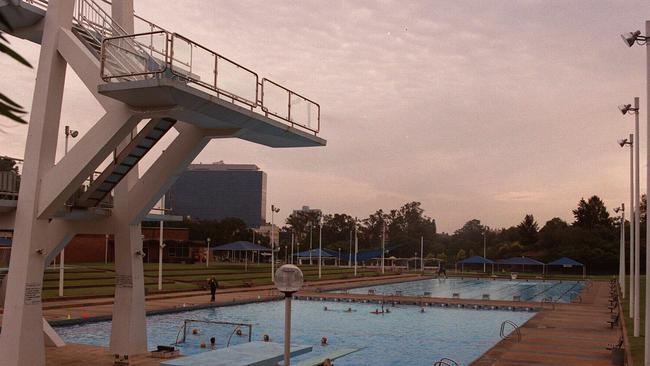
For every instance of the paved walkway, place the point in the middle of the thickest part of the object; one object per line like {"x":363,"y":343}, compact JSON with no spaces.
{"x":570,"y":335}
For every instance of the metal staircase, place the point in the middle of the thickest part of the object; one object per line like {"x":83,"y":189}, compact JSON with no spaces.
{"x":123,"y":162}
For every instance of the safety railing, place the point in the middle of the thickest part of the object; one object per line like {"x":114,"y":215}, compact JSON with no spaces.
{"x":37,"y":3}
{"x":283,"y":103}
{"x":171,"y":55}
{"x":515,"y":328}
{"x":141,"y":64}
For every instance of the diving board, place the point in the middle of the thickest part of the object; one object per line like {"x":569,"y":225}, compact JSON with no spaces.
{"x":246,"y":354}
{"x":318,"y":360}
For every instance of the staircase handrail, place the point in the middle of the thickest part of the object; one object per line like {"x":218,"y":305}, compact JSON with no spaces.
{"x":515,"y":327}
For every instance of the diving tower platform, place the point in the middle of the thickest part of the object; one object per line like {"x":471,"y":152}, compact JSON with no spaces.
{"x":148,"y":81}
{"x":177,"y":100}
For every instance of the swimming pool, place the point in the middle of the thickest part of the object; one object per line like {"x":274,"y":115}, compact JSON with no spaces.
{"x":532,"y":290}
{"x":403,"y":337}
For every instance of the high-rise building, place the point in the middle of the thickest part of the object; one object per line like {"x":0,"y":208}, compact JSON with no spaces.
{"x":217,"y":191}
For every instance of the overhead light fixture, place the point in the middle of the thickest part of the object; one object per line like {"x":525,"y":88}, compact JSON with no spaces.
{"x":624,"y":108}
{"x":631,"y":37}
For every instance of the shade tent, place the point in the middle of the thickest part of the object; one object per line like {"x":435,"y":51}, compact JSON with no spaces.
{"x":314,"y":253}
{"x":242,"y":246}
{"x":475,"y":259}
{"x":568,"y":263}
{"x":521,"y":261}
{"x":565,"y":261}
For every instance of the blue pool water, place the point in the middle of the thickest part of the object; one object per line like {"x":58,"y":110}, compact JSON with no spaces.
{"x":560,"y":291}
{"x":403,"y":337}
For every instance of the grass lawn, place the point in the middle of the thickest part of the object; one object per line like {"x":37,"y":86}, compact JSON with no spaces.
{"x":636,"y":343}
{"x":98,"y":279}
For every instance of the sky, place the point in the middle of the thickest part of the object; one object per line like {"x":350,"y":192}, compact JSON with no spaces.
{"x":484,"y":110}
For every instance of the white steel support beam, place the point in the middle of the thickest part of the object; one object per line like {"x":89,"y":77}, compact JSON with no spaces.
{"x":129,"y":325}
{"x":21,"y":340}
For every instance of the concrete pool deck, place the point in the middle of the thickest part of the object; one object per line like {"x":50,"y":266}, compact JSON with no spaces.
{"x":571,"y":334}
{"x":574,"y":334}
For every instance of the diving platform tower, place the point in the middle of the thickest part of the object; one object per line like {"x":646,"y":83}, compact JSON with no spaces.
{"x":148,"y":83}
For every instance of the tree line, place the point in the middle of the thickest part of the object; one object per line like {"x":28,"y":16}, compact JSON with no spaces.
{"x":591,"y":238}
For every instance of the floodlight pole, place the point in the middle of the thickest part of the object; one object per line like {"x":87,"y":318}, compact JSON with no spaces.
{"x":631,"y":315}
{"x":484,"y":250}
{"x":637,"y":225}
{"x":292,"y":243}
{"x":350,"y":251}
{"x":383,"y":244}
{"x":647,"y":283}
{"x":68,"y":132}
{"x":320,"y":247}
{"x":207,"y":256}
{"x":310,"y":242}
{"x":356,"y":246}
{"x":161,"y":245}
{"x":339,"y":262}
{"x":621,"y":253}
{"x":422,"y":253}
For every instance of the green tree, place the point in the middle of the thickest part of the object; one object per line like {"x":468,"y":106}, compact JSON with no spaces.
{"x":528,"y":229}
{"x":591,"y":214}
{"x":8,"y":165}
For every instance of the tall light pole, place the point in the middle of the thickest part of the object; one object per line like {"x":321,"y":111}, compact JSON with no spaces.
{"x":274,"y":210}
{"x":161,"y":245}
{"x":320,"y":245}
{"x":310,"y":241}
{"x":339,"y":262}
{"x":484,"y":251}
{"x":422,"y":253}
{"x":106,"y":249}
{"x":383,"y":244}
{"x":621,"y":250}
{"x":628,"y":108}
{"x":207,"y":257}
{"x":356,"y":246}
{"x":292,"y":243}
{"x":630,"y":142}
{"x":68,"y":133}
{"x":350,"y":251}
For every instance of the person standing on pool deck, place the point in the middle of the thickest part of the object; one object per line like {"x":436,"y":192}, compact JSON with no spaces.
{"x":441,"y":270}
{"x":212,"y":282}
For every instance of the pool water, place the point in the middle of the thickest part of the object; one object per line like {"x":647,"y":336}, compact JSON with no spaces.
{"x":404,"y":337}
{"x":560,"y":291}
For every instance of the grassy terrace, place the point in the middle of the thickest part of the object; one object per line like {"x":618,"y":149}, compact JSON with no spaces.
{"x":636,"y":343}
{"x":98,"y":279}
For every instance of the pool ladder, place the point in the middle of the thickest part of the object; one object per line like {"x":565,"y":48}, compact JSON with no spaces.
{"x":446,"y":362}
{"x":515,"y":327}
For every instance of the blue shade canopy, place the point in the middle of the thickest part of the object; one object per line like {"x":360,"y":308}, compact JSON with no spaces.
{"x":314,"y":253}
{"x":520,"y":261}
{"x":565,"y":261}
{"x":242,"y":246}
{"x":5,"y":242}
{"x":476,"y":259}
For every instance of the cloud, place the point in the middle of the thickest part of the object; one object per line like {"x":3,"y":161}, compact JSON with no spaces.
{"x":484,"y":110}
